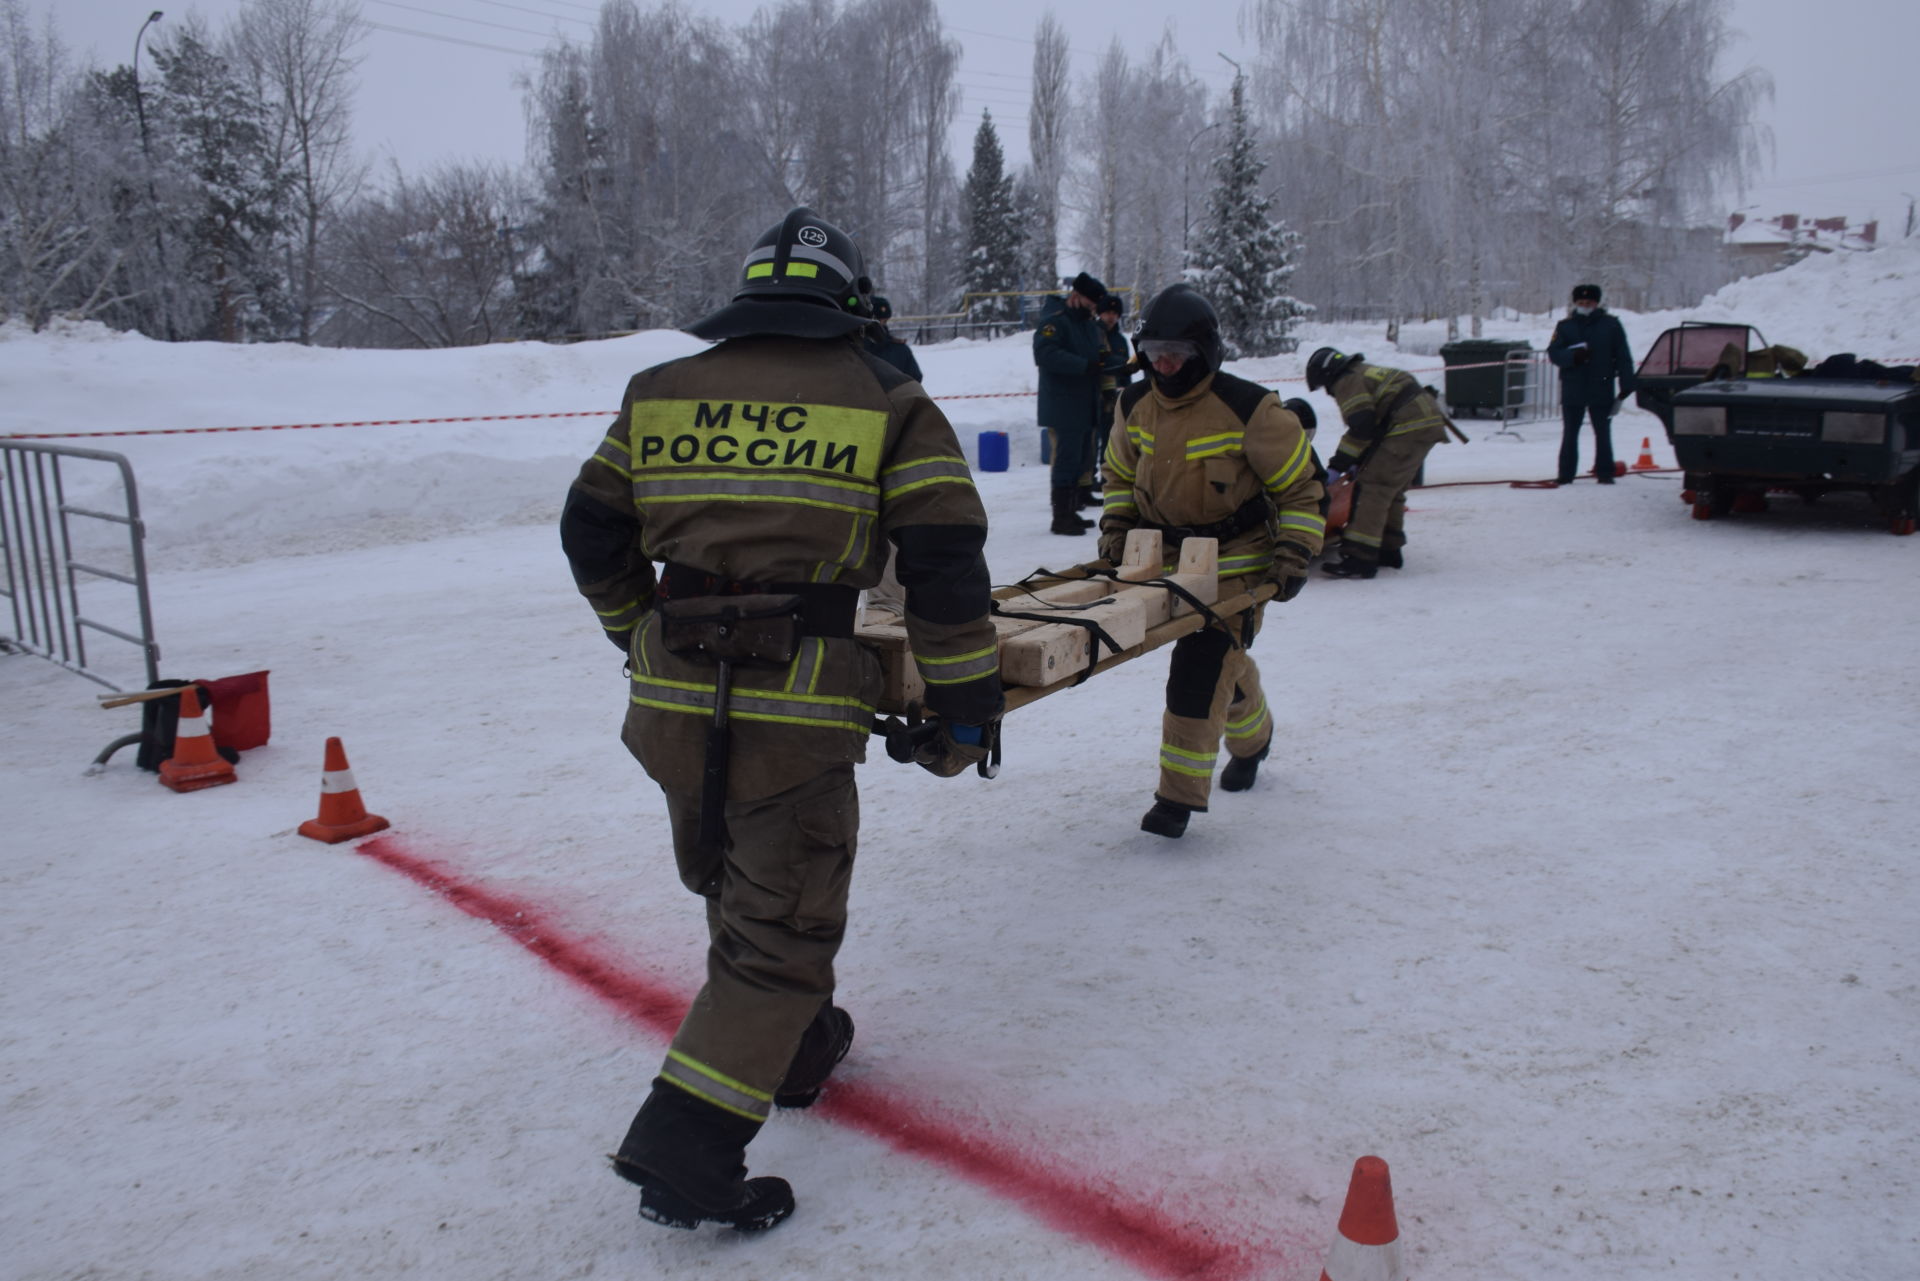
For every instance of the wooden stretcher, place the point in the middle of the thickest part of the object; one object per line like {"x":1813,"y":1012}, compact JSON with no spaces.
{"x":1053,"y":626}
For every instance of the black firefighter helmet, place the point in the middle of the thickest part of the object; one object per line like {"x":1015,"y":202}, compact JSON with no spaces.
{"x":1327,"y":364}
{"x":1179,"y":313}
{"x":804,"y":278}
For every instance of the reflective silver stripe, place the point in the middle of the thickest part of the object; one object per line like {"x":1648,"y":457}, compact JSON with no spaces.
{"x":704,"y":488}
{"x":760,"y":255}
{"x":814,"y":711}
{"x":806,"y":665}
{"x":931,"y":471}
{"x":820,"y":255}
{"x":616,"y":456}
{"x":954,"y":671}
{"x":697,"y":1078}
{"x":1249,"y":725}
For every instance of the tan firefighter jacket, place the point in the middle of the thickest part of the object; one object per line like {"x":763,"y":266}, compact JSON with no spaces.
{"x":1203,"y":458}
{"x":1377,"y":402}
{"x":777,"y":460}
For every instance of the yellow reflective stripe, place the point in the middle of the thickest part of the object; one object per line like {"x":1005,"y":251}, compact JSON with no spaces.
{"x":697,"y":496}
{"x":806,"y":269}
{"x":759,"y":269}
{"x":960,"y":668}
{"x":1213,"y":446}
{"x":716,"y":1088}
{"x":1181,"y":761}
{"x":1244,"y":727}
{"x":1293,"y":468}
{"x":618,"y":610}
{"x":1120,"y":500}
{"x":908,"y":488}
{"x":1352,"y":535}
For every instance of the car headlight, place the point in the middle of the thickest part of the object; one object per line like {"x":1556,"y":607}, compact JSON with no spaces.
{"x":1699,"y":420}
{"x":1849,"y":428}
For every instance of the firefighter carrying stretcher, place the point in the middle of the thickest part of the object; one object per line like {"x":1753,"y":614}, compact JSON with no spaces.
{"x":1196,"y":452}
{"x":769,"y":474}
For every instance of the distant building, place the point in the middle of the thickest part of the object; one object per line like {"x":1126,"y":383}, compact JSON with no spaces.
{"x":1756,"y":245}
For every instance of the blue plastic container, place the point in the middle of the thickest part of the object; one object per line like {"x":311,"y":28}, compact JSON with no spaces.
{"x":993,"y":451}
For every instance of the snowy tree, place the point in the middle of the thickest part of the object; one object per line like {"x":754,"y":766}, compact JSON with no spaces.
{"x":994,"y":238}
{"x":1047,"y":140}
{"x":301,"y":55}
{"x":216,"y":137}
{"x":1243,"y":260}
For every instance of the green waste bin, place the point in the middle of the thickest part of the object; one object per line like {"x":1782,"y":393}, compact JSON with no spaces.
{"x":1481,"y":380}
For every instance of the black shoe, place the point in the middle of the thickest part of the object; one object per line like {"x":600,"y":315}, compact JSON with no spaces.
{"x":765,"y":1202}
{"x":1390,"y":558}
{"x":822,"y":1046}
{"x":1167,"y":818}
{"x":689,"y":1159}
{"x":1351,"y":567}
{"x":1087,"y":498}
{"x":1065,"y":521}
{"x":1240,"y":771}
{"x":1604,"y":480}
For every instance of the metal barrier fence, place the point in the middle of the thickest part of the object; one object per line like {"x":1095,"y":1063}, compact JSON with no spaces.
{"x":47,"y":576}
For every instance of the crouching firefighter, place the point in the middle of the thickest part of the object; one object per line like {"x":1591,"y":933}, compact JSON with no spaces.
{"x":1392,"y":422}
{"x":1197,"y":453}
{"x":767,"y":475}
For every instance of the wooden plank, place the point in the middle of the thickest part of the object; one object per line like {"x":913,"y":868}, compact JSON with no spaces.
{"x":1052,"y":652}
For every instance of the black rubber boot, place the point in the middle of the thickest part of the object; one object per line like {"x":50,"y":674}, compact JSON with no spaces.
{"x":822,"y":1046}
{"x":1085,"y":497}
{"x":1351,"y":566}
{"x":689,"y":1159}
{"x":1167,"y":818}
{"x":1390,"y":558}
{"x":1065,"y":521}
{"x":1240,"y":771}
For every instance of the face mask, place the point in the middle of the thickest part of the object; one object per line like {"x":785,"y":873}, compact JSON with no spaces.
{"x":1583,"y":308}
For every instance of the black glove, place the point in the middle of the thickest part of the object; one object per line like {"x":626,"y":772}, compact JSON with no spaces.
{"x":956,"y":749}
{"x":1290,"y":585}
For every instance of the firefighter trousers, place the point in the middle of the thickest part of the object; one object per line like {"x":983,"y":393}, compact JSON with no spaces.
{"x":1379,"y":516}
{"x":776,"y":915}
{"x":1213,"y":693}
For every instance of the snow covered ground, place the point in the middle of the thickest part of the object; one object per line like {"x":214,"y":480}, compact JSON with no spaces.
{"x":1579,"y":887}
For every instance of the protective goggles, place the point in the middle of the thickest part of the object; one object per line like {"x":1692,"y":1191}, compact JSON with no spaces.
{"x":1165,"y":348}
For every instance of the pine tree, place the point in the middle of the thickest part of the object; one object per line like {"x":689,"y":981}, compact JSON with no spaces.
{"x":992,"y":229}
{"x":1243,"y":260}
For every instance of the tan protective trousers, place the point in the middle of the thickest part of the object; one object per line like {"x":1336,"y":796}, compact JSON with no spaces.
{"x":1379,"y":516}
{"x":776,"y":915}
{"x":1213,"y":695}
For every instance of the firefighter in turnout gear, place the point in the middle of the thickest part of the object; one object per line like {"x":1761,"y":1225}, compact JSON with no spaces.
{"x":768,"y":475}
{"x":1392,"y":421}
{"x":1201,"y":453}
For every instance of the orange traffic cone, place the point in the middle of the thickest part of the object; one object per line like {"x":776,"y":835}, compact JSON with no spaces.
{"x":195,"y":762}
{"x":342,"y":816}
{"x":1368,"y":1246}
{"x":1645,"y":461}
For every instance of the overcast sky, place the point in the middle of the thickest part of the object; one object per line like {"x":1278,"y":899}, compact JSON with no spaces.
{"x":437,"y":82}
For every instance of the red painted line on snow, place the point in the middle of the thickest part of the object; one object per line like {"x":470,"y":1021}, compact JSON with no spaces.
{"x":1151,"y":1239}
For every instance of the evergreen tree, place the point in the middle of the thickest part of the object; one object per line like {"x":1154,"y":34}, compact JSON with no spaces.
{"x":993,"y":231}
{"x":214,"y":132}
{"x":1243,"y":260}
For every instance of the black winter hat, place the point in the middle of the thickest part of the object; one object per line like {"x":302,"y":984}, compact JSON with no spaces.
{"x":1088,"y":287}
{"x":1586,"y":293}
{"x":882,"y":309}
{"x":1112,"y":303}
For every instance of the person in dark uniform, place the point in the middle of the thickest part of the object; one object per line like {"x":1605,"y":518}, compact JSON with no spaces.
{"x":1069,"y":349}
{"x":1590,"y":347}
{"x":881,"y":342}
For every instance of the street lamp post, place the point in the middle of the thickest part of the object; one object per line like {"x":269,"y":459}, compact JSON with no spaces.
{"x":139,"y":104}
{"x":1186,"y":178}
{"x":153,"y":196}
